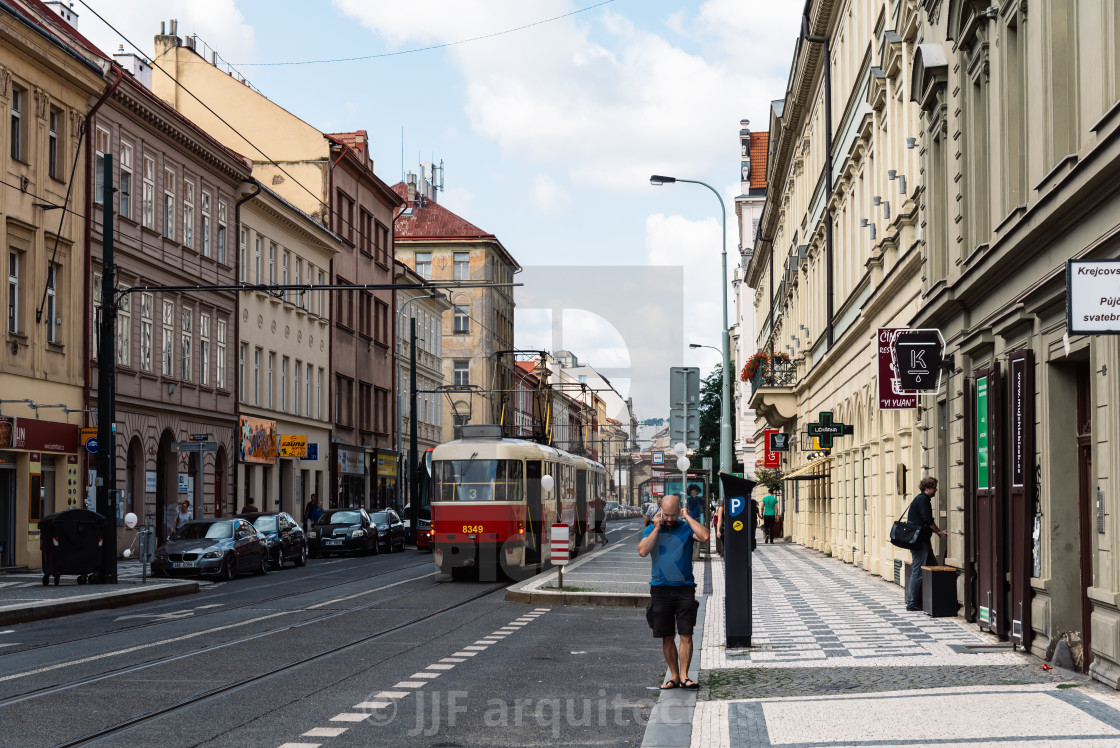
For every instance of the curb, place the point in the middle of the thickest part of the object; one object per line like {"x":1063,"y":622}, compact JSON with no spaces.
{"x":86,"y":603}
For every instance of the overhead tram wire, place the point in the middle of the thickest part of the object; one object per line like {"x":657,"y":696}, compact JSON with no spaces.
{"x":221,"y":119}
{"x":419,"y":49}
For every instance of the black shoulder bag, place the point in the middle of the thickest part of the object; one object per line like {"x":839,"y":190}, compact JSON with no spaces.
{"x":905,"y":534}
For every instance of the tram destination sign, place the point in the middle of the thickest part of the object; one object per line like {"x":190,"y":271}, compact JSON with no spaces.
{"x":1093,"y":297}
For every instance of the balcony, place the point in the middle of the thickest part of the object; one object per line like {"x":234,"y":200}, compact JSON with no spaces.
{"x":772,"y":392}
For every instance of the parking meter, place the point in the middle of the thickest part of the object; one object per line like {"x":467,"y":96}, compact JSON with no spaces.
{"x":738,"y":543}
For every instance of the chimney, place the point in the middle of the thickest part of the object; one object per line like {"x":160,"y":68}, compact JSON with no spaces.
{"x":411,"y":180}
{"x":65,"y":11}
{"x":165,"y":42}
{"x":134,"y":66}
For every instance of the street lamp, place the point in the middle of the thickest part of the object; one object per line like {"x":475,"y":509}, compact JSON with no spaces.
{"x":725,"y":405}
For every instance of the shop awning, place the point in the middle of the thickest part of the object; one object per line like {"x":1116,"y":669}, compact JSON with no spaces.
{"x":813,"y":471}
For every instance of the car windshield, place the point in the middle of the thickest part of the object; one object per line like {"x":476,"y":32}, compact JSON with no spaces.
{"x":207,"y":530}
{"x":348,"y":517}
{"x":380,"y":518}
{"x":266,"y":523}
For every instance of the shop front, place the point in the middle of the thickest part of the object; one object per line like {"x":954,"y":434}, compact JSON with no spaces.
{"x":302,"y":465}
{"x":351,"y":487}
{"x":260,"y":477}
{"x":385,"y":494}
{"x":38,"y":476}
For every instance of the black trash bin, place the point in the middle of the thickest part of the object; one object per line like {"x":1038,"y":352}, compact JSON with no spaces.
{"x":71,"y":543}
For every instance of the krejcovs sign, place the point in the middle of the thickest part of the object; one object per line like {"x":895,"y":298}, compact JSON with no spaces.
{"x":1093,"y":296}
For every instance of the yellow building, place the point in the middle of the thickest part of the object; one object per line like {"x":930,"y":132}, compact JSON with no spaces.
{"x":46,"y":91}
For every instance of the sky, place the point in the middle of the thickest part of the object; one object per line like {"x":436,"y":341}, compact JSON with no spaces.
{"x":548,"y":135}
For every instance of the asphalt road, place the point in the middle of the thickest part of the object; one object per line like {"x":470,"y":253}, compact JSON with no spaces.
{"x":344,"y":652}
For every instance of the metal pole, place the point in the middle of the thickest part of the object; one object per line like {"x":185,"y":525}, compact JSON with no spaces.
{"x":400,"y":450}
{"x":106,"y":378}
{"x":413,"y":456}
{"x":725,"y":405}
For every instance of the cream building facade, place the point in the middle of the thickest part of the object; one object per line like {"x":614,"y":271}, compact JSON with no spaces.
{"x":46,"y":90}
{"x":284,"y":354}
{"x":836,"y":258}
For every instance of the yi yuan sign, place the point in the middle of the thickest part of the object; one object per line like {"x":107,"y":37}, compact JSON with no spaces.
{"x":1093,"y":297}
{"x":891,"y":394}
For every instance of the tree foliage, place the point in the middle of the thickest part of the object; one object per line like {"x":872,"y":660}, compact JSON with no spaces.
{"x":711,"y":393}
{"x":772,"y":479}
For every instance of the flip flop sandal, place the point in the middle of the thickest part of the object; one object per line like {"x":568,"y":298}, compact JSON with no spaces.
{"x":690,"y":684}
{"x":669,"y":685}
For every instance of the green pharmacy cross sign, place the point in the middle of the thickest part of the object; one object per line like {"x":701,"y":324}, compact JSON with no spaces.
{"x":825,"y":429}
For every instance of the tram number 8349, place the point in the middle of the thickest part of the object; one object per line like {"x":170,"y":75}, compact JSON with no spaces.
{"x":472,"y":528}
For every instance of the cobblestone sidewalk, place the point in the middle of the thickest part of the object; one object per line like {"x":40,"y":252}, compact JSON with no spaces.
{"x":827,"y":635}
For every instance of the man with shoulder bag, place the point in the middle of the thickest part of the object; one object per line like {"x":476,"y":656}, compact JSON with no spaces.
{"x":921,"y":554}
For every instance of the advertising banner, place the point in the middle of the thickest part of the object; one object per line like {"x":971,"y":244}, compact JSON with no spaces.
{"x":257,"y":442}
{"x":33,"y":435}
{"x":293,"y":445}
{"x":351,"y":461}
{"x":1093,"y":296}
{"x":891,"y":394}
{"x":771,"y":460}
{"x":387,"y":465}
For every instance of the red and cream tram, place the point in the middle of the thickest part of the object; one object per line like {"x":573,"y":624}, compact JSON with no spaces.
{"x":495,"y":499}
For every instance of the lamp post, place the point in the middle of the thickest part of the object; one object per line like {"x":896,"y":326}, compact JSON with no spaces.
{"x":725,"y":405}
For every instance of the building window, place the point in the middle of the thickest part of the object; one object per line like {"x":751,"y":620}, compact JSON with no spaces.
{"x":365,"y":241}
{"x":383,"y":253}
{"x":319,"y":394}
{"x":52,"y":143}
{"x":284,"y":384}
{"x":124,"y":328}
{"x":244,"y":255}
{"x":462,"y":318}
{"x":52,"y":304}
{"x":220,"y":376}
{"x":307,"y":392}
{"x":284,"y":271}
{"x":147,"y":302}
{"x":381,"y":410}
{"x":257,"y":259}
{"x":343,"y":400}
{"x":462,"y":372}
{"x":365,"y":406}
{"x":299,"y":280}
{"x":271,"y":264}
{"x":345,"y":217}
{"x":271,"y":379}
{"x":297,"y":381}
{"x":204,"y":349}
{"x":424,"y":265}
{"x":169,"y":204}
{"x":13,"y":291}
{"x":149,"y":196}
{"x":462,"y":265}
{"x":244,"y":351}
{"x":257,"y":376}
{"x":188,"y":213}
{"x":126,"y":180}
{"x":365,"y":305}
{"x":186,"y":338}
{"x":168,"y":338}
{"x":344,"y":299}
{"x":16,"y":130}
{"x":221,"y":232}
{"x":322,"y":281}
{"x":101,"y":147}
{"x":205,"y":224}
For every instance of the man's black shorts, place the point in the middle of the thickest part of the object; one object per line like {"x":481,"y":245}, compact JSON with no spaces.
{"x":671,"y":610}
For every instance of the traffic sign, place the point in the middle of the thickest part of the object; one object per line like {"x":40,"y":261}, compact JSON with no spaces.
{"x":194,"y":446}
{"x":91,"y":445}
{"x":559,"y":545}
{"x":657,"y":459}
{"x":200,"y":437}
{"x":917,"y":356}
{"x":87,"y":434}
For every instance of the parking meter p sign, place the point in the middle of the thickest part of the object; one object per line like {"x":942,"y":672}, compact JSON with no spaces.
{"x":918,"y":355}
{"x":736,"y":505}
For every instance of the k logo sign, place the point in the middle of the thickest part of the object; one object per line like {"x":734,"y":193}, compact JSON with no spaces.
{"x":737,"y":504}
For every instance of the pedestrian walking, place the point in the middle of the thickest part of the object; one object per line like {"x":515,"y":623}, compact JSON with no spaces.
{"x":717,"y":523}
{"x":183,"y":516}
{"x":921,"y":513}
{"x":769,"y":515}
{"x":672,"y":588}
{"x":311,"y":512}
{"x":652,"y":511}
{"x":696,"y":504}
{"x":600,"y":509}
{"x":250,"y":506}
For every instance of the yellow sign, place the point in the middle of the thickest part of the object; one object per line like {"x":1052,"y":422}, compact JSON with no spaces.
{"x":88,"y":434}
{"x":293,"y":445}
{"x":737,"y":525}
{"x":386,"y":465}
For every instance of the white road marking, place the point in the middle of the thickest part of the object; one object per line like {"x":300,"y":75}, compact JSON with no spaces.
{"x":541,"y":610}
{"x":301,"y":745}
{"x":9,"y":631}
{"x":454,"y":659}
{"x":175,"y":615}
{"x":13,"y":644}
{"x":438,"y":666}
{"x":464,"y":654}
{"x":390,"y":695}
{"x":425,"y":676}
{"x":371,"y":705}
{"x":350,"y":717}
{"x":324,"y":732}
{"x":216,"y":605}
{"x":410,"y":684}
{"x":187,"y":637}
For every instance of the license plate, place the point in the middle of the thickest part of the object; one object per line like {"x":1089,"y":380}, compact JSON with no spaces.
{"x":185,"y":565}
{"x":333,"y":542}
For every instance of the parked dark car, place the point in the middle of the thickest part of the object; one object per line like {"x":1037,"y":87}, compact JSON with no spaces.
{"x":219,"y":547}
{"x":390,"y":530}
{"x":283,"y":535}
{"x":342,"y":531}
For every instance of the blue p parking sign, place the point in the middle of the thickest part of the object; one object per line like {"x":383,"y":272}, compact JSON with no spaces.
{"x":737,"y":504}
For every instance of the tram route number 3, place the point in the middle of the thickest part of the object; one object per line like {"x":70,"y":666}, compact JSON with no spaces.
{"x":472,"y":528}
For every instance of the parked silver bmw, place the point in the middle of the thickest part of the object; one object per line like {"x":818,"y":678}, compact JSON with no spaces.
{"x":219,"y":547}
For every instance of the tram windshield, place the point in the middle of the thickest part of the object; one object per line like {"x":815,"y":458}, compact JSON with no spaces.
{"x":478,"y":480}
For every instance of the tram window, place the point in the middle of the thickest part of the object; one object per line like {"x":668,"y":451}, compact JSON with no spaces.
{"x":478,"y":480}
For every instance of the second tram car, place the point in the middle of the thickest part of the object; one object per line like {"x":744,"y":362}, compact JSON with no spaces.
{"x":490,"y":511}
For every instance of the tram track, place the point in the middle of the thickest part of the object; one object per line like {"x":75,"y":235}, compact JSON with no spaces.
{"x":271,"y":673}
{"x":212,"y":611}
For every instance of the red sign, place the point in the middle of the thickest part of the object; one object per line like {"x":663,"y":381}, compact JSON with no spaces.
{"x":770,"y":460}
{"x":559,"y":545}
{"x":891,"y":394}
{"x":41,"y":436}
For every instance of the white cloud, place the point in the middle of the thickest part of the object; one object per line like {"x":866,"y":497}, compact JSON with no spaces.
{"x":595,"y":94}
{"x":548,"y":195}
{"x":220,"y":23}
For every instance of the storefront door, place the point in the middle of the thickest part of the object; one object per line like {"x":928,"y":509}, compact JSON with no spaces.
{"x":7,"y":515}
{"x":1086,"y":504}
{"x":990,"y":507}
{"x":1021,"y":492}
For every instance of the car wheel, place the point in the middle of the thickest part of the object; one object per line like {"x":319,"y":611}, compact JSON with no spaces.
{"x":301,"y":559}
{"x":263,"y":568}
{"x":279,"y":560}
{"x":229,"y":569}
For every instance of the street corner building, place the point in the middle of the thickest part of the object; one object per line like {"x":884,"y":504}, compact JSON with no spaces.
{"x":935,"y":164}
